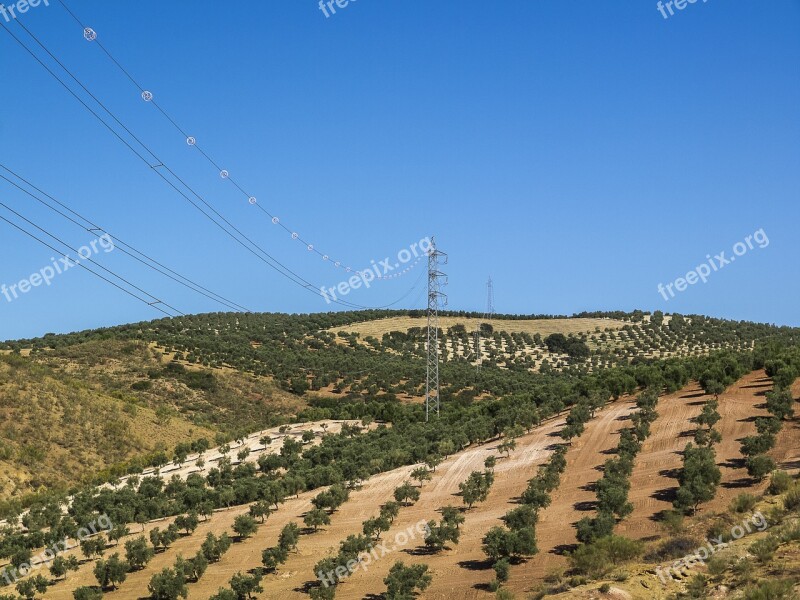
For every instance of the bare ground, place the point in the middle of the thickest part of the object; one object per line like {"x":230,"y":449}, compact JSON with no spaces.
{"x":461,"y":571}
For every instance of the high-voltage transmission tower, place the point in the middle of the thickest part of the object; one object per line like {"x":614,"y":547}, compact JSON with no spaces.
{"x":489,"y":315}
{"x":436,"y":281}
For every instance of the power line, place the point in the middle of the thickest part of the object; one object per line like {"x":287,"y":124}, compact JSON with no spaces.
{"x":253,"y":247}
{"x":154,"y":304}
{"x":124,"y":247}
{"x":91,"y":36}
{"x":159,"y":164}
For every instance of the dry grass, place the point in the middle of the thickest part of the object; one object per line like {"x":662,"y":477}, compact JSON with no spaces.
{"x":544,"y":327}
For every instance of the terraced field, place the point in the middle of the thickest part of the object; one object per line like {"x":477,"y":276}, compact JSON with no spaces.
{"x":462,"y":570}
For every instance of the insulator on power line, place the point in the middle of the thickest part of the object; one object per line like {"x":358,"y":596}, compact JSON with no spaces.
{"x":325,"y":257}
{"x":147,"y":96}
{"x":337,"y":264}
{"x":275,"y":220}
{"x":310,"y":247}
{"x":224,"y":174}
{"x":90,"y":34}
{"x":191,"y":141}
{"x":295,"y":236}
{"x":253,"y":200}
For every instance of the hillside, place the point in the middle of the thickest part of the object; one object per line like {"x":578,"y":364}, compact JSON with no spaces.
{"x":71,"y":414}
{"x":299,"y":438}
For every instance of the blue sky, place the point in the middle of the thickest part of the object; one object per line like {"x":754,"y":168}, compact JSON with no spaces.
{"x":580,"y":153}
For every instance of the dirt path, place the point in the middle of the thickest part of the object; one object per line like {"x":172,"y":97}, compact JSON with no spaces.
{"x":787,"y":448}
{"x":511,"y":479}
{"x":460,"y":571}
{"x":653,"y":480}
{"x":574,"y":498}
{"x":739,"y":406}
{"x":653,"y":483}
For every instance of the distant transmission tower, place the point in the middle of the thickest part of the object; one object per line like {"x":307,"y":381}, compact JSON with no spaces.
{"x":436,"y":280}
{"x":486,"y":317}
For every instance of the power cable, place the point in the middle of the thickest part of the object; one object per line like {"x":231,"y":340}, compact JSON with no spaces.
{"x":91,"y":36}
{"x":120,"y":244}
{"x":260,"y":254}
{"x":155,"y":304}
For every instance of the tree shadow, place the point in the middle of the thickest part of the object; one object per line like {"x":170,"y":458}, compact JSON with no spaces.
{"x":665,"y":495}
{"x":586,"y":506}
{"x":475,"y":565}
{"x":307,"y":586}
{"x":423,"y":551}
{"x":308,"y":531}
{"x":564,"y":549}
{"x":670,"y":473}
{"x":733,"y":463}
{"x":744,"y":482}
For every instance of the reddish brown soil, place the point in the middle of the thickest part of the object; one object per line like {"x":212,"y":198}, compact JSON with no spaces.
{"x":575,"y":497}
{"x":787,"y":448}
{"x":653,"y":483}
{"x":460,"y":572}
{"x":739,"y":406}
{"x":658,"y":462}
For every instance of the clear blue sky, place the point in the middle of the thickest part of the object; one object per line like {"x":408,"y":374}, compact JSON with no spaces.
{"x":580,"y":153}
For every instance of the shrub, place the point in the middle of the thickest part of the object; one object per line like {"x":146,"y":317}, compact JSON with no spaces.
{"x":672,"y":521}
{"x":770,"y":590}
{"x":672,"y":549}
{"x":87,"y":593}
{"x":792,"y":499}
{"x":600,"y":557}
{"x":764,"y":549}
{"x":743,"y":503}
{"x":780,"y":482}
{"x":717,"y":565}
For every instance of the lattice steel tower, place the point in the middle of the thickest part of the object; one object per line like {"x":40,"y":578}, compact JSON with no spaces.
{"x":436,"y":281}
